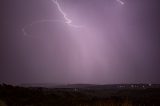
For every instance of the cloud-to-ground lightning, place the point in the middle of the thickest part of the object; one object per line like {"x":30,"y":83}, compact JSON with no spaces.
{"x":120,"y":1}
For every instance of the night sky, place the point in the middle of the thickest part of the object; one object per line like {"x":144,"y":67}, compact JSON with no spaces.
{"x":79,"y":41}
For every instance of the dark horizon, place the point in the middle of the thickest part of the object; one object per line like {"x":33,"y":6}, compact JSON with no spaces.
{"x":79,"y":41}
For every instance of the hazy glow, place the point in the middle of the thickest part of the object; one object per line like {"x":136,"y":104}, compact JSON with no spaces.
{"x":87,"y":53}
{"x":37,"y":22}
{"x":118,"y":42}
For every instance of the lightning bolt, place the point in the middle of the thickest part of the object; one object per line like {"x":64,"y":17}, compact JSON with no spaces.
{"x":67,"y":19}
{"x":120,"y":1}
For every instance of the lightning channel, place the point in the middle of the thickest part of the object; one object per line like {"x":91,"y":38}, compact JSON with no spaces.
{"x":120,"y":1}
{"x":67,"y":19}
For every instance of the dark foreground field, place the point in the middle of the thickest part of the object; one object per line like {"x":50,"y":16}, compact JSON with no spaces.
{"x":79,"y":96}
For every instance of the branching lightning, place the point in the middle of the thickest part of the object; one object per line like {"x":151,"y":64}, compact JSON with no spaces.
{"x":68,"y":20}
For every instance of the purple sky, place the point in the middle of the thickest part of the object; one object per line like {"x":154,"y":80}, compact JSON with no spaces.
{"x":107,"y":41}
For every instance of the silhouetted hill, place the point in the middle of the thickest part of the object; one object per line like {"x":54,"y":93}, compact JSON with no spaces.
{"x":94,"y":86}
{"x":81,"y":95}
